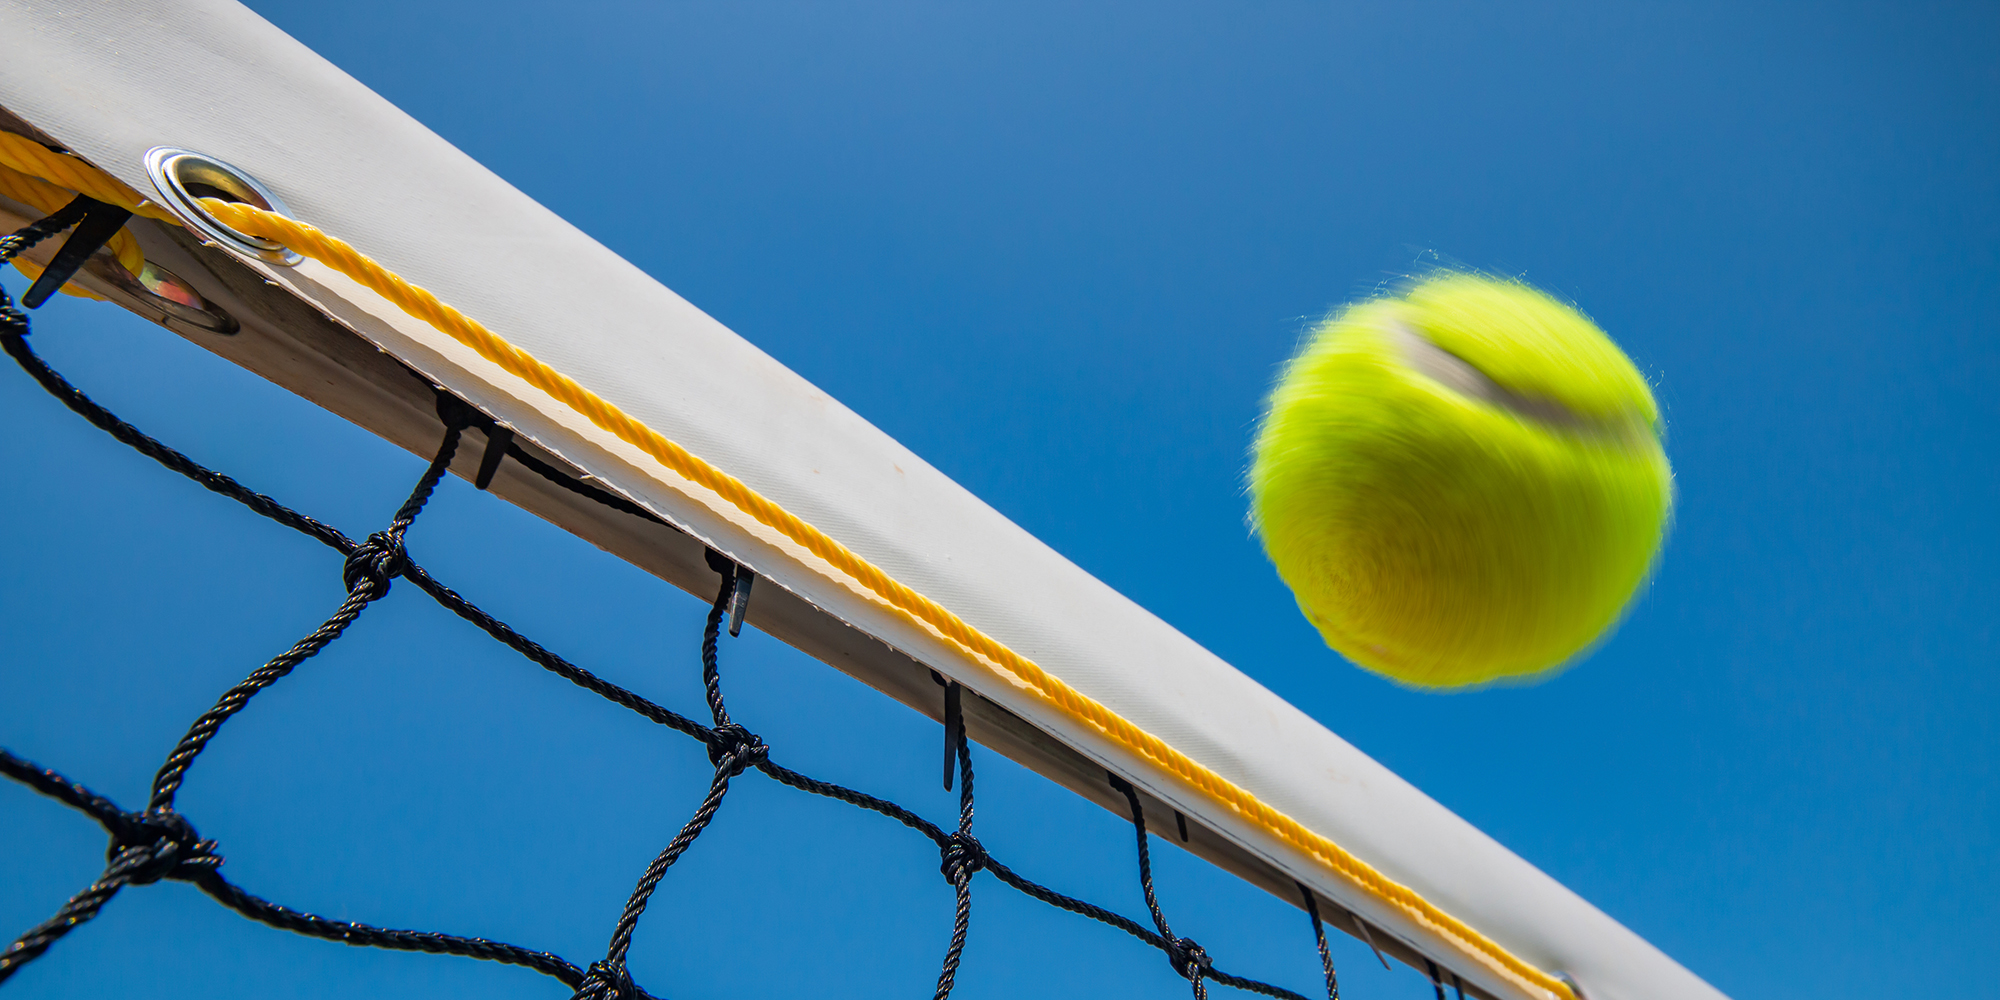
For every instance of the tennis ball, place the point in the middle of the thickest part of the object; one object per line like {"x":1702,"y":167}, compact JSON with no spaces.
{"x":1461,"y":483}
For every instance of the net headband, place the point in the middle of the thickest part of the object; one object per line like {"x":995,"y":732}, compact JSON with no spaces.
{"x":796,"y":486}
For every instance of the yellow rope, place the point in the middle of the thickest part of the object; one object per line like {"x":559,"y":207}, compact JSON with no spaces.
{"x":36,"y":160}
{"x":30,"y":167}
{"x":37,"y":193}
{"x":423,"y":305}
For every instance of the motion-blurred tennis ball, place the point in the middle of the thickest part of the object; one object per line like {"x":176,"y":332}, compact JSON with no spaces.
{"x":1461,"y":484}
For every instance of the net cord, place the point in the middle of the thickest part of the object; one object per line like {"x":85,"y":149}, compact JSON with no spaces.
{"x":158,"y":842}
{"x":36,"y":161}
{"x":421,"y":304}
{"x":45,"y":179}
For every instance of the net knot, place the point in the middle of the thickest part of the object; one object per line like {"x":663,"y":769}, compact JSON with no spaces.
{"x":962,"y":857}
{"x":373,"y":563}
{"x":734,"y":749}
{"x":150,"y":846}
{"x":607,"y":981}
{"x":1189,"y":959}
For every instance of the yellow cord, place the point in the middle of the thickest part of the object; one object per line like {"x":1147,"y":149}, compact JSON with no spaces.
{"x":41,"y":178}
{"x":421,"y":304}
{"x":30,"y":173}
{"x":27,"y":156}
{"x":37,"y":193}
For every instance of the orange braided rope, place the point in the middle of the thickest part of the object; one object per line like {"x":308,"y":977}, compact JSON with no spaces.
{"x":423,"y":305}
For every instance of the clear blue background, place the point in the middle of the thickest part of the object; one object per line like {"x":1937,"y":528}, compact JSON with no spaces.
{"x":1059,"y":252}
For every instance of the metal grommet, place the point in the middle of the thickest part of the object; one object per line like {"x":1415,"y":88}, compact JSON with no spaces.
{"x":183,"y":178}
{"x":166,"y":292}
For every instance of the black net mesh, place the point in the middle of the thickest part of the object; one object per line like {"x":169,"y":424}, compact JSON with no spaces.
{"x":158,"y":842}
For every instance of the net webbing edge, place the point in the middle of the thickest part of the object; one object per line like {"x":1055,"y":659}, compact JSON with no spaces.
{"x":939,"y":622}
{"x":159,"y":843}
{"x":883,"y":589}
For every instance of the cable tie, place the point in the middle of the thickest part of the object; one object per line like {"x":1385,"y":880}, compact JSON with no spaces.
{"x":160,"y":844}
{"x":1368,"y":936}
{"x":498,"y":440}
{"x":954,"y":725}
{"x":739,"y":599}
{"x":100,"y":223}
{"x":14,"y":327}
{"x":739,"y":592}
{"x":456,"y":412}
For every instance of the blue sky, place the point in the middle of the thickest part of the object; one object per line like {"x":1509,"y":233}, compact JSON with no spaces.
{"x":1060,"y":252}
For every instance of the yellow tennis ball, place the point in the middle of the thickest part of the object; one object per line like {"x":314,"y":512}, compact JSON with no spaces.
{"x":1462,"y":483}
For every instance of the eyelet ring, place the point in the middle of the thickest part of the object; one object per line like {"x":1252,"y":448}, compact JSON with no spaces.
{"x":183,"y":178}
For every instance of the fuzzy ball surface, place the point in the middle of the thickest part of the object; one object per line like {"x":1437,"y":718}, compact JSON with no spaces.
{"x":1462,"y":483}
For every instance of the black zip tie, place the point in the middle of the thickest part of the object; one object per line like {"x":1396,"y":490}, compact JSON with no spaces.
{"x":739,"y":599}
{"x":1319,"y":938}
{"x":954,"y":728}
{"x":1180,"y":823}
{"x":13,"y":322}
{"x":962,"y":857}
{"x":453,"y":410}
{"x":159,"y":844}
{"x":1437,"y":985}
{"x":498,"y":440}
{"x":732,"y":749}
{"x":41,"y":229}
{"x":1188,"y":959}
{"x":711,"y":664}
{"x":737,"y":581}
{"x":1368,"y":936}
{"x":100,"y":222}
{"x":1458,"y":986}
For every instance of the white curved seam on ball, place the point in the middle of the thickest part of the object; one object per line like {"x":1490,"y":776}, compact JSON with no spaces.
{"x":1427,"y":358}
